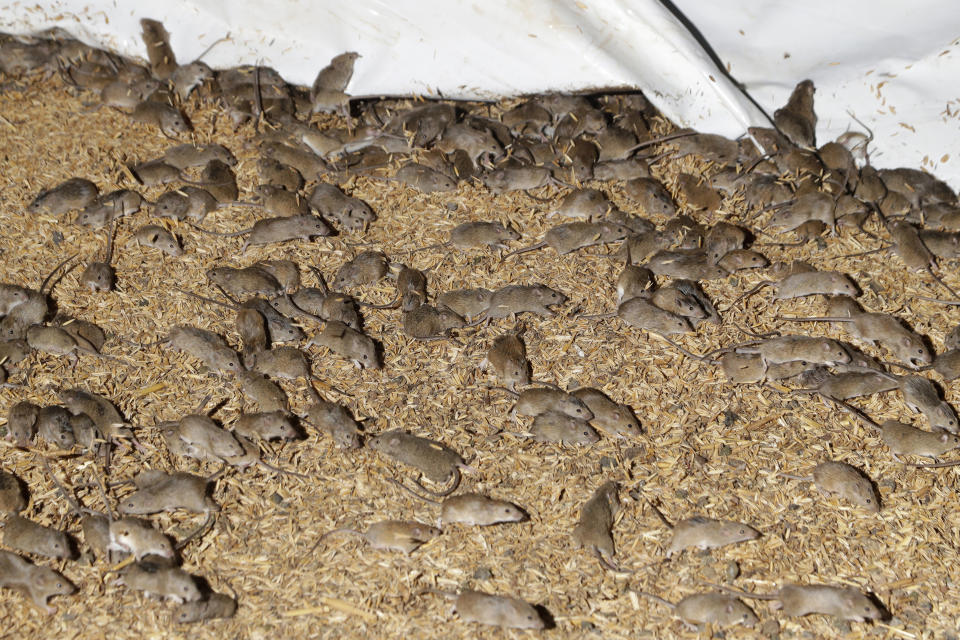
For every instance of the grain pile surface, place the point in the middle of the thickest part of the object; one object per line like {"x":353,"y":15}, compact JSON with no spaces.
{"x":707,"y":447}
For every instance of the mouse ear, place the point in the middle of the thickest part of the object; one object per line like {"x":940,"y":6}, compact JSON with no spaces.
{"x":944,"y":437}
{"x":729,"y":607}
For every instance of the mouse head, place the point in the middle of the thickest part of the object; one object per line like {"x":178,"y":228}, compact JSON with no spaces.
{"x":48,"y":582}
{"x":736,"y":612}
{"x":858,"y":607}
{"x":549,"y":296}
{"x":914,"y":349}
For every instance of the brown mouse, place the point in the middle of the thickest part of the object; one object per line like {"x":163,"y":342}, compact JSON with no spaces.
{"x":154,"y":173}
{"x":55,"y":425}
{"x":433,"y":459}
{"x":172,"y":583}
{"x":275,"y":230}
{"x":643,"y":314}
{"x":467,"y":303}
{"x":740,"y":259}
{"x":594,"y":529}
{"x":567,"y":238}
{"x":553,"y":426}
{"x":214,"y":605}
{"x":472,"y":235}
{"x":156,"y":237}
{"x":159,"y":491}
{"x":183,"y":156}
{"x":845,"y":481}
{"x":25,"y":535}
{"x":202,"y":433}
{"x":496,"y":611}
{"x":534,"y":401}
{"x":252,"y":328}
{"x":709,"y":608}
{"x":12,"y":498}
{"x":425,"y":179}
{"x":914,"y":254}
{"x":920,"y":395}
{"x":334,"y":420}
{"x":789,"y":348}
{"x":352,"y":214}
{"x":163,"y":116}
{"x":393,"y":535}
{"x":206,"y":346}
{"x":288,"y":363}
{"x":515,"y":299}
{"x":37,"y":582}
{"x":844,"y":603}
{"x":507,"y":357}
{"x":472,"y":509}
{"x":853,"y":384}
{"x":159,"y":53}
{"x":185,"y":203}
{"x":586,"y":204}
{"x":652,"y":197}
{"x":809,"y":283}
{"x":349,"y":343}
{"x":267,"y":425}
{"x":704,"y":533}
{"x":427,"y":322}
{"x":366,"y":268}
{"x":100,"y":276}
{"x":254,"y":279}
{"x":104,"y":414}
{"x":22,"y":423}
{"x":685,"y":265}
{"x":75,"y":193}
{"x":138,"y":537}
{"x":263,"y":391}
{"x":615,"y":419}
{"x":108,"y":207}
{"x":634,"y":282}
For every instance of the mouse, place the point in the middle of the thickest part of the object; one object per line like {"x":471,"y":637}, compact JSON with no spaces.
{"x":795,"y":600}
{"x":12,"y":496}
{"x":880,"y":329}
{"x":921,"y":396}
{"x":534,"y":401}
{"x":553,"y":426}
{"x":187,"y":202}
{"x":22,"y":534}
{"x":910,"y":249}
{"x":709,"y":608}
{"x":333,"y":77}
{"x":845,"y":481}
{"x":704,"y":533}
{"x":54,"y":425}
{"x":585,"y":204}
{"x":140,"y":538}
{"x":641,"y":313}
{"x":594,"y":528}
{"x":288,"y":363}
{"x":159,"y":53}
{"x":279,"y":202}
{"x":109,"y":207}
{"x":184,"y":156}
{"x":218,"y":179}
{"x":698,"y":193}
{"x":494,"y":610}
{"x":172,"y":583}
{"x":393,"y":535}
{"x":516,"y":178}
{"x":515,"y":299}
{"x":75,"y":193}
{"x":265,"y":425}
{"x":125,"y":93}
{"x":569,"y":237}
{"x":472,"y":509}
{"x":251,"y":280}
{"x":36,"y":582}
{"x":853,"y":384}
{"x":427,"y":322}
{"x":947,"y":364}
{"x":808,"y":283}
{"x":740,"y":259}
{"x":634,"y":282}
{"x":154,"y":173}
{"x":264,"y":392}
{"x":474,"y":235}
{"x":672,"y":299}
{"x":368,"y":267}
{"x":335,"y":420}
{"x":615,"y":419}
{"x":797,"y":120}
{"x":276,"y":230}
{"x":348,"y":343}
{"x":274,"y":173}
{"x":651,"y":196}
{"x":782,"y":349}
{"x":202,"y":433}
{"x":425,"y":179}
{"x":507,"y":357}
{"x":433,"y":459}
{"x":100,"y":410}
{"x":161,"y":115}
{"x":99,"y":276}
{"x":722,"y":238}
{"x":466,"y":303}
{"x":685,"y":265}
{"x":156,"y":237}
{"x":252,"y":328}
{"x":214,"y":605}
{"x":206,"y":346}
{"x":160,"y":491}
{"x":352,"y":214}
{"x":22,"y":423}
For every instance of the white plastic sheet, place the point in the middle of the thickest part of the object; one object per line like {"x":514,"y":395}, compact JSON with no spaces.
{"x":890,"y":65}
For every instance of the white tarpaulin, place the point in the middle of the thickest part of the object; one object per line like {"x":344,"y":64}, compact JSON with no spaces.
{"x":890,"y":64}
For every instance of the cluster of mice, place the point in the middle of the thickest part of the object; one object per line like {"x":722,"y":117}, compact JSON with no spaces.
{"x":552,"y":140}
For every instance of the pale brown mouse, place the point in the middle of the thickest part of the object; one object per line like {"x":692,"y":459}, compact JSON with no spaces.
{"x":366,"y":268}
{"x":567,"y":238}
{"x":100,"y":276}
{"x":276,"y":230}
{"x":472,"y":509}
{"x":467,"y":303}
{"x":202,"y":433}
{"x":615,"y":419}
{"x":433,"y":459}
{"x":214,"y":605}
{"x":263,"y":391}
{"x":492,"y":610}
{"x":594,"y":529}
{"x":536,"y":400}
{"x":709,"y":608}
{"x":140,"y":538}
{"x":704,"y":533}
{"x":781,"y":349}
{"x":634,"y":282}
{"x":643,"y":314}
{"x":515,"y":299}
{"x":334,"y":420}
{"x":206,"y":346}
{"x":352,"y":214}
{"x":393,"y":535}
{"x":12,"y":498}
{"x":348,"y":343}
{"x":507,"y":357}
{"x":810,"y":283}
{"x":156,"y":237}
{"x":427,"y":322}
{"x":163,"y":116}
{"x":472,"y":235}
{"x":160,"y":491}
{"x":25,"y":535}
{"x":36,"y":582}
{"x":586,"y":204}
{"x":553,"y":426}
{"x":185,"y":203}
{"x":267,"y":425}
{"x":54,"y":425}
{"x":172,"y":583}
{"x":920,"y":395}
{"x":844,"y":603}
{"x":22,"y":423}
{"x":845,"y":481}
{"x":75,"y":193}
{"x":253,"y":279}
